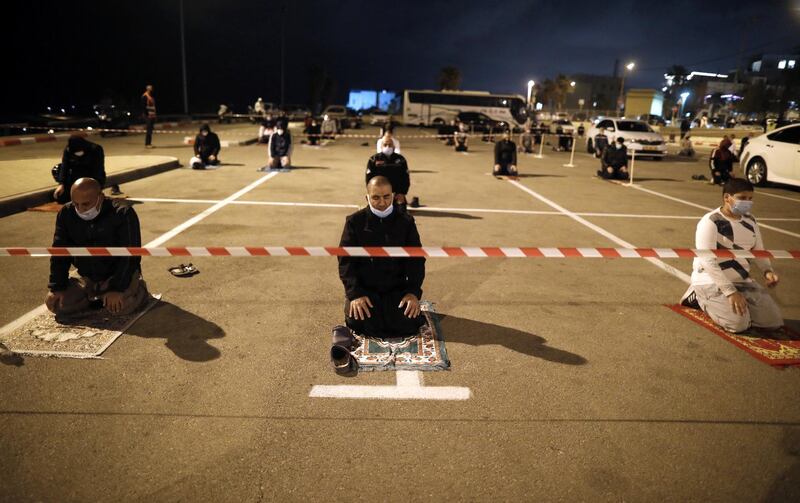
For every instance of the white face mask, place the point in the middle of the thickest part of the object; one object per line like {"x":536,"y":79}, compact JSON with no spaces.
{"x":78,"y":153}
{"x":381,"y":214}
{"x":90,"y":214}
{"x":279,"y":131}
{"x":387,"y":151}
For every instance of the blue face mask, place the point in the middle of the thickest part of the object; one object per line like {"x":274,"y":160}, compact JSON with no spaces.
{"x":741,"y":207}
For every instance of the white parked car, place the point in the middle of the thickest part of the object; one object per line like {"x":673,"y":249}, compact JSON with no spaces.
{"x":337,"y":112}
{"x":773,"y":157}
{"x":564,"y":124}
{"x":639,"y":136}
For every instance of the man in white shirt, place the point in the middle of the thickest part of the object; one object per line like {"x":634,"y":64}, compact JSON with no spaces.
{"x":722,"y":287}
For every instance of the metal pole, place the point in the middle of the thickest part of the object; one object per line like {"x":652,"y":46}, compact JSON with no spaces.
{"x":183,"y":64}
{"x":620,"y":101}
{"x":541,"y":147}
{"x":633,"y":163}
{"x":283,"y":50}
{"x":571,"y":155}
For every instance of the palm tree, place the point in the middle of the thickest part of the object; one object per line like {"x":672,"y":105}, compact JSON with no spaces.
{"x":449,"y":78}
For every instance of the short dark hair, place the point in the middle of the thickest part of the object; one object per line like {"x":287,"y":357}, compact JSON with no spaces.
{"x":736,"y":185}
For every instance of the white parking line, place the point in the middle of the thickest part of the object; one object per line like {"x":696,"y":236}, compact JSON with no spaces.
{"x":409,"y":387}
{"x":689,"y":203}
{"x":156,"y":242}
{"x":770,"y":194}
{"x":656,"y":262}
{"x":440,"y":209}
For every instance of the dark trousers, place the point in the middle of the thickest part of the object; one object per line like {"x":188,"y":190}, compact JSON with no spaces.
{"x":504,"y":169}
{"x":387,"y":319}
{"x":148,"y":135}
{"x":616,"y":174}
{"x":721,"y":171}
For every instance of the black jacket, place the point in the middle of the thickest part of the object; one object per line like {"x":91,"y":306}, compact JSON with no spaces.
{"x":393,"y":167}
{"x":205,"y":146}
{"x":91,"y":164}
{"x":362,"y":275}
{"x":616,"y":156}
{"x":279,"y":144}
{"x":505,"y":152}
{"x":116,"y":225}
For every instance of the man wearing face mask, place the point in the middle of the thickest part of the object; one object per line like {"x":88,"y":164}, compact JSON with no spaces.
{"x":382,"y":293}
{"x":114,"y":283}
{"x":387,"y":135}
{"x":81,"y":158}
{"x":206,"y":149}
{"x":280,"y":146}
{"x":724,"y":288}
{"x":390,"y":164}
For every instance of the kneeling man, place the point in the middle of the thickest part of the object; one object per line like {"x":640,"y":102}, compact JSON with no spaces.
{"x":724,"y":288}
{"x":382,"y":293}
{"x":114,"y":283}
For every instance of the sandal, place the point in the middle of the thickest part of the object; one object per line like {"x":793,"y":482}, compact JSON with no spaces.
{"x":183,"y":270}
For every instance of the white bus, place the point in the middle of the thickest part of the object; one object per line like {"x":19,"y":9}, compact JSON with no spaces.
{"x":434,"y":108}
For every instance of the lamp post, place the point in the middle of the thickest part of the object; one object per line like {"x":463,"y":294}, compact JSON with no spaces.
{"x":684,"y":95}
{"x":530,"y":93}
{"x":621,"y":101}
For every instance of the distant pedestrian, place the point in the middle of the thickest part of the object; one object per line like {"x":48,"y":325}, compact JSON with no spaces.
{"x":149,"y":114}
{"x":206,"y":149}
{"x":81,"y":159}
{"x":687,"y":148}
{"x":505,"y":156}
{"x":721,"y":162}
{"x":685,"y":126}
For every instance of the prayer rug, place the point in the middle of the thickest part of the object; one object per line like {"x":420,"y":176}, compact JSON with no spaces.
{"x":82,"y":335}
{"x":51,"y":207}
{"x":423,"y":351}
{"x":780,"y":348}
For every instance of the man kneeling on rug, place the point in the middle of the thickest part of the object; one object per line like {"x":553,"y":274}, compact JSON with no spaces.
{"x":114,"y":283}
{"x":382,"y":293}
{"x":724,"y":288}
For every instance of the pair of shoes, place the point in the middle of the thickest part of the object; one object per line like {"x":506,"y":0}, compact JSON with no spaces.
{"x":183,"y":270}
{"x":149,"y":146}
{"x":689,"y":299}
{"x":343,"y":342}
{"x":198,"y":165}
{"x":115,"y":190}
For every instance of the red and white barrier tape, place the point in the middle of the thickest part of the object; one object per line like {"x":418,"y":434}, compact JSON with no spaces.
{"x":390,"y":251}
{"x":140,"y":129}
{"x":23,"y":140}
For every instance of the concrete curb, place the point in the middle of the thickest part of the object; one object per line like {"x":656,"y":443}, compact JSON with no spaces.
{"x":24,"y":140}
{"x":22,"y":202}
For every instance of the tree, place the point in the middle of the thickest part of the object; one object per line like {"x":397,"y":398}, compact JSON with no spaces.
{"x":449,"y":78}
{"x":756,"y":98}
{"x":562,"y":88}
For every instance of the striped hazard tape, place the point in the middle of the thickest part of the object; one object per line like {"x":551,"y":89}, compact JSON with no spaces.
{"x":391,"y":251}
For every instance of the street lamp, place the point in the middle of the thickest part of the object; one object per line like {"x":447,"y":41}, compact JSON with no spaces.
{"x":621,"y":101}
{"x":684,"y":95}
{"x":572,"y":84}
{"x":530,"y":91}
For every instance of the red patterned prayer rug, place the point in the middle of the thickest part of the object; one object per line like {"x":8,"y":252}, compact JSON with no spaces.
{"x":780,"y":348}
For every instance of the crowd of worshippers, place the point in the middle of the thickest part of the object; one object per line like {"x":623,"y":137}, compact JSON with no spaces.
{"x":382,"y":295}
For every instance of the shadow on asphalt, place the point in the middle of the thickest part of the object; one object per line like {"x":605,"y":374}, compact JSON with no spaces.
{"x":421,"y":171}
{"x":444,"y":214}
{"x":309,"y":167}
{"x":534,"y":175}
{"x":476,"y":333}
{"x":186,"y":333}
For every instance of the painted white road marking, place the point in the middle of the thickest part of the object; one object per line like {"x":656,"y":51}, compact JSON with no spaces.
{"x":689,"y":203}
{"x":409,"y":387}
{"x":656,"y":262}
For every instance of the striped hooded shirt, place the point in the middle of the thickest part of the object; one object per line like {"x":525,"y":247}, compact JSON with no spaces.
{"x":715,"y":231}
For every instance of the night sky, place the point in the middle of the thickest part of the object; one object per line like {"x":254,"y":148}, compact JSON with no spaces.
{"x":77,"y":52}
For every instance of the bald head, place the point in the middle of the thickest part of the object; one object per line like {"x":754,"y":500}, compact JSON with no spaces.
{"x":379,"y":192}
{"x":86,"y":193}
